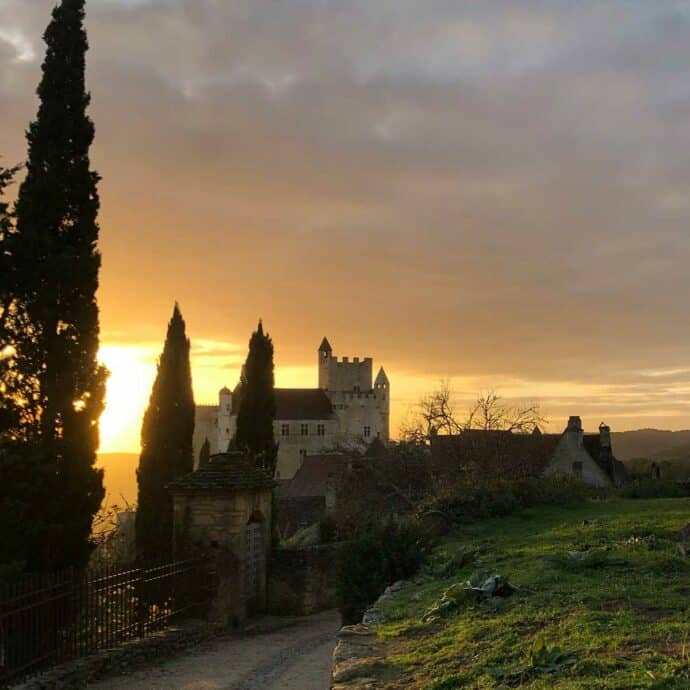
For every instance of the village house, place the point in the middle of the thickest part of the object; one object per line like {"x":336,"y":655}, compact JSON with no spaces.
{"x":585,"y":456}
{"x":348,"y":410}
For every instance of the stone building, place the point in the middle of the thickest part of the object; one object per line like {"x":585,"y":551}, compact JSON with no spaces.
{"x":225,"y":508}
{"x":349,"y":409}
{"x":573,"y":453}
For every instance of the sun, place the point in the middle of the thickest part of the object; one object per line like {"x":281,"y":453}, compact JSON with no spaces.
{"x":132,"y":371}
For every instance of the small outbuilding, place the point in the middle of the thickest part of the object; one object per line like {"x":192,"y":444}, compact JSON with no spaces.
{"x":225,"y":508}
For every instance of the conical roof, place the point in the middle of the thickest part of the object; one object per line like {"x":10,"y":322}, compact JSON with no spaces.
{"x":325,"y":346}
{"x":381,"y":378}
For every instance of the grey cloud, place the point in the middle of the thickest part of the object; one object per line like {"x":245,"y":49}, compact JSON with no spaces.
{"x":510,"y":182}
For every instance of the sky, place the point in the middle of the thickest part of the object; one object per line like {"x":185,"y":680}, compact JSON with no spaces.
{"x":486,"y":192}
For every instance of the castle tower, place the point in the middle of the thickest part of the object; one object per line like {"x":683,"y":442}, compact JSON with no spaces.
{"x":325,"y":356}
{"x":383,"y":398}
{"x":225,"y":422}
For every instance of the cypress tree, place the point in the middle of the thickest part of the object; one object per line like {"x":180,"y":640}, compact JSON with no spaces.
{"x":257,"y":408}
{"x":9,"y":411}
{"x":204,"y":453}
{"x":56,"y":265}
{"x":166,"y":444}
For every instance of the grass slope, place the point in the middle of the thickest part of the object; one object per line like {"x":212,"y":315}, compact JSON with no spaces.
{"x":625,"y":626}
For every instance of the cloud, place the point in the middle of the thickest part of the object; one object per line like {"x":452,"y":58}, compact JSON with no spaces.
{"x":477,"y":190}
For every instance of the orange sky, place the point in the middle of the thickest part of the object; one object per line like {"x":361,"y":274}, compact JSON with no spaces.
{"x":483,"y":192}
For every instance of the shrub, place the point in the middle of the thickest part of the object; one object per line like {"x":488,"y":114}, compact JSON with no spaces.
{"x":654,"y":488}
{"x":374,"y":557}
{"x":328,"y":530}
{"x":470,"y":501}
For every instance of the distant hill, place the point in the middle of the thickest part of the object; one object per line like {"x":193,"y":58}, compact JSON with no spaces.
{"x":670,"y":450}
{"x":653,"y":444}
{"x":120,"y":477}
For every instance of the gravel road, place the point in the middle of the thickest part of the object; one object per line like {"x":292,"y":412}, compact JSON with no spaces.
{"x":297,"y":657}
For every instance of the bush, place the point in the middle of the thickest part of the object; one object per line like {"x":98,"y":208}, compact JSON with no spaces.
{"x":654,"y":488}
{"x":328,"y":530}
{"x":470,"y":501}
{"x":374,"y":557}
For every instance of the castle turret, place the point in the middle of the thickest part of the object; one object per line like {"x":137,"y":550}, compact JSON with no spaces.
{"x":325,"y":355}
{"x":225,"y":427}
{"x":383,"y":400}
{"x":381,"y":382}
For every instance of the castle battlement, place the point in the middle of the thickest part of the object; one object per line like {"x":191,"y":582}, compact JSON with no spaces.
{"x":356,"y":362}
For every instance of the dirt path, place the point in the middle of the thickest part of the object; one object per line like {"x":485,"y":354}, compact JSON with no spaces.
{"x":297,"y":657}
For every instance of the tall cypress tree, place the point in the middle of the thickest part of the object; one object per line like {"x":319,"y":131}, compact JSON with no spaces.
{"x":257,"y":408}
{"x":166,"y":444}
{"x":9,"y":410}
{"x":204,"y":453}
{"x":56,"y":266}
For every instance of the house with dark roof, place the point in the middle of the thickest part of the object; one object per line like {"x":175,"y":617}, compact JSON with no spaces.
{"x":311,"y":494}
{"x":348,"y":410}
{"x":573,"y":453}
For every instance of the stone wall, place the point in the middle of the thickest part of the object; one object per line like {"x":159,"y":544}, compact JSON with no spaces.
{"x":302,"y":581}
{"x":217,"y":524}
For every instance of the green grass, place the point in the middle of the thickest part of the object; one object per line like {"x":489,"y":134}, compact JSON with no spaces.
{"x":625,"y":626}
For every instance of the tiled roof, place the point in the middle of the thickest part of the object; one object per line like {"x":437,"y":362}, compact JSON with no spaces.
{"x":316,"y":472}
{"x":528,"y":453}
{"x":298,"y":403}
{"x":224,"y":473}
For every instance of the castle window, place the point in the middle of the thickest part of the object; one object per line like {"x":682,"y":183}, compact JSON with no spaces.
{"x":304,"y":429}
{"x":577,"y":469}
{"x":320,"y":429}
{"x":284,"y":429}
{"x":367,"y":431}
{"x":302,"y":453}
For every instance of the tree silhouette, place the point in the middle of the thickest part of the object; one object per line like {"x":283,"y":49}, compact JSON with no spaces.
{"x":204,"y":453}
{"x":166,"y":444}
{"x":257,"y":407}
{"x":54,"y":281}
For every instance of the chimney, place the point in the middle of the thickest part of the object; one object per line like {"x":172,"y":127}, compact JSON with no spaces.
{"x":605,"y":435}
{"x":575,"y":424}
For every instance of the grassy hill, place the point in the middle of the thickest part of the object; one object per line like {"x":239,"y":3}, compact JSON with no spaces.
{"x":120,"y":477}
{"x":621,"y":626}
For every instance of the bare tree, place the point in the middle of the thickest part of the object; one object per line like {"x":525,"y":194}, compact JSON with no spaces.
{"x":435,"y":415}
{"x":491,"y":412}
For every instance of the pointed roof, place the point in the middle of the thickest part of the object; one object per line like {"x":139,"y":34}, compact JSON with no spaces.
{"x":381,"y":377}
{"x":325,"y":346}
{"x":223,"y":473}
{"x":225,"y":391}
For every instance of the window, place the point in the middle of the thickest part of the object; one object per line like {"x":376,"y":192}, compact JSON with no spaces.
{"x":284,"y":429}
{"x":302,"y":453}
{"x":367,"y":431}
{"x":577,"y":469}
{"x":320,"y":429}
{"x":304,"y":429}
